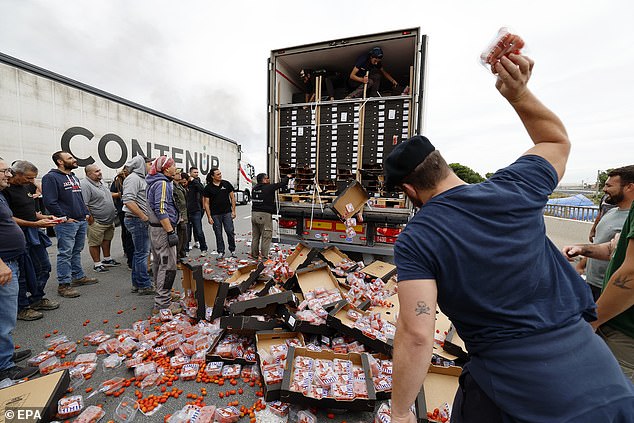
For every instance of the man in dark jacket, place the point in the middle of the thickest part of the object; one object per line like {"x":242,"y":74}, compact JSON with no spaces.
{"x":262,"y":210}
{"x":180,"y":198}
{"x":195,"y":190}
{"x":12,"y":246}
{"x":163,"y":216}
{"x":62,"y":197}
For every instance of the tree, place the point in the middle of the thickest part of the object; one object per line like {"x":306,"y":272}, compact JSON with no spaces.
{"x":465,"y":173}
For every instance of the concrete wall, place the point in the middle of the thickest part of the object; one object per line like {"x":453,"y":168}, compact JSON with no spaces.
{"x":565,"y":231}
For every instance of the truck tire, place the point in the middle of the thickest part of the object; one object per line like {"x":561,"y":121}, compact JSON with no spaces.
{"x":246,"y":197}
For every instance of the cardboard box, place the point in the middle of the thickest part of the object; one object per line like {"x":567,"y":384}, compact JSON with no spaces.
{"x":351,"y":201}
{"x":308,"y":279}
{"x":213,"y":294}
{"x":440,"y":386}
{"x":334,"y":257}
{"x":339,"y":320}
{"x":302,"y":256}
{"x":213,"y":357}
{"x":380,"y":269}
{"x":358,"y":404}
{"x":41,"y":393}
{"x":243,"y":278}
{"x":263,"y":341}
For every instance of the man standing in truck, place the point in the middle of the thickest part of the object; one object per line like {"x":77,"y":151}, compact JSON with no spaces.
{"x":368,"y":69}
{"x":62,"y":197}
{"x":219,"y":201}
{"x":482,"y":253}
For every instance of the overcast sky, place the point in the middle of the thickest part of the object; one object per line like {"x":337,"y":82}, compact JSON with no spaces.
{"x":205,"y":62}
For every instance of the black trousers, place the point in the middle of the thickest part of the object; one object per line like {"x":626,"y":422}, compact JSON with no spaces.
{"x":472,"y":404}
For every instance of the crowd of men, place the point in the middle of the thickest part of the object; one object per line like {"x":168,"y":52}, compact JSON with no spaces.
{"x":159,"y":208}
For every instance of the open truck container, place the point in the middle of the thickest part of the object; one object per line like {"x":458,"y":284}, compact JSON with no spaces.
{"x":327,"y":144}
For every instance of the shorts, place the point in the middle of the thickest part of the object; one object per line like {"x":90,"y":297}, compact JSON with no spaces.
{"x":98,"y":233}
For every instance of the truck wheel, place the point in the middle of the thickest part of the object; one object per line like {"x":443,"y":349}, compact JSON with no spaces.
{"x":246,"y":197}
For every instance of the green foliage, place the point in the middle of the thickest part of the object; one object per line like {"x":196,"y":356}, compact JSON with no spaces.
{"x":465,"y":173}
{"x":489,"y":174}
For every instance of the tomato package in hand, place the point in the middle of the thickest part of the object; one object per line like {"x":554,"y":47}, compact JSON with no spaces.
{"x":504,"y":43}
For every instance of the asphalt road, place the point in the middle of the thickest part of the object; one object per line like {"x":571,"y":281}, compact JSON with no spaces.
{"x":100,"y":302}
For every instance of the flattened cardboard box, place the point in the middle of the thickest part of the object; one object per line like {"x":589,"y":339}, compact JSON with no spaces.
{"x":358,"y":404}
{"x":41,"y":393}
{"x":263,"y":341}
{"x":351,"y":201}
{"x":254,"y":304}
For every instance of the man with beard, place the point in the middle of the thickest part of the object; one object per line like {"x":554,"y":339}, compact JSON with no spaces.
{"x":615,"y":306}
{"x":480,"y":252}
{"x":617,"y":193}
{"x":63,"y":198}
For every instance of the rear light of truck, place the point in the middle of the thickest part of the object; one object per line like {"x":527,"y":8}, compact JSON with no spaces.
{"x":387,"y":235}
{"x":288,"y":223}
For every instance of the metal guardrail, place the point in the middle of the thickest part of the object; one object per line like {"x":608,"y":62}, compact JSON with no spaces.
{"x":583,"y":213}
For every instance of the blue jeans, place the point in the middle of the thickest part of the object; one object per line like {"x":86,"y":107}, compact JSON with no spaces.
{"x":8,"y":315}
{"x":141,"y":240}
{"x":224,"y":221}
{"x":71,"y":237}
{"x":195,"y":222}
{"x":38,"y":256}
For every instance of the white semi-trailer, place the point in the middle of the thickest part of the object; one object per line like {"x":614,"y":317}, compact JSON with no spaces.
{"x":42,"y":112}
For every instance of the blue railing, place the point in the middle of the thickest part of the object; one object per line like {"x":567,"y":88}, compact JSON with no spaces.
{"x":584,"y":213}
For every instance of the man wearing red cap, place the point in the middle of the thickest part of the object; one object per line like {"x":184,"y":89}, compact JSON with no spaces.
{"x":163,"y":239}
{"x":482,"y":253}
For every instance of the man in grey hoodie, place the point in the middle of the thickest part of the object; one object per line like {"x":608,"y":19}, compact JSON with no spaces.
{"x":136,"y":221}
{"x":163,"y":238}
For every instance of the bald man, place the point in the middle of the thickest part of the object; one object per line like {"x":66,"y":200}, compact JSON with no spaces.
{"x":100,"y":203}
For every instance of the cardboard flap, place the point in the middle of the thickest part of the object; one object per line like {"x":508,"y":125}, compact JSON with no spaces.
{"x":380,"y":269}
{"x":317,"y":277}
{"x":301,"y":256}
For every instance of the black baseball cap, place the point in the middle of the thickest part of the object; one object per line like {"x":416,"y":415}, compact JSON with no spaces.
{"x":404,"y":159}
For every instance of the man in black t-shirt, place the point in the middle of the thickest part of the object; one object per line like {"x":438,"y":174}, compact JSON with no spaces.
{"x":219,"y":202}
{"x":35,"y":269}
{"x":262,"y":211}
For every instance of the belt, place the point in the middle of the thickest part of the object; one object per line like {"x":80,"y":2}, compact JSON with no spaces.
{"x":156,"y":225}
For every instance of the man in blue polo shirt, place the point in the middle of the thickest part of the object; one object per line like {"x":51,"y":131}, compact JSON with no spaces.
{"x":481,"y":252}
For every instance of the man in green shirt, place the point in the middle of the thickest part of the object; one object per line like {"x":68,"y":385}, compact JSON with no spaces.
{"x":615,"y":306}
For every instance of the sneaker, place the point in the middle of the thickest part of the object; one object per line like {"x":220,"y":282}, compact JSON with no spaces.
{"x":21,"y":355}
{"x":45,"y":304}
{"x":196,"y":244}
{"x":110,"y":263}
{"x":100,"y":269}
{"x":220,"y":256}
{"x":233,"y":255}
{"x":203,"y":253}
{"x":66,"y":291}
{"x":84,"y":281}
{"x":29,"y":314}
{"x":17,"y":372}
{"x":146,"y":291}
{"x":134,"y":290}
